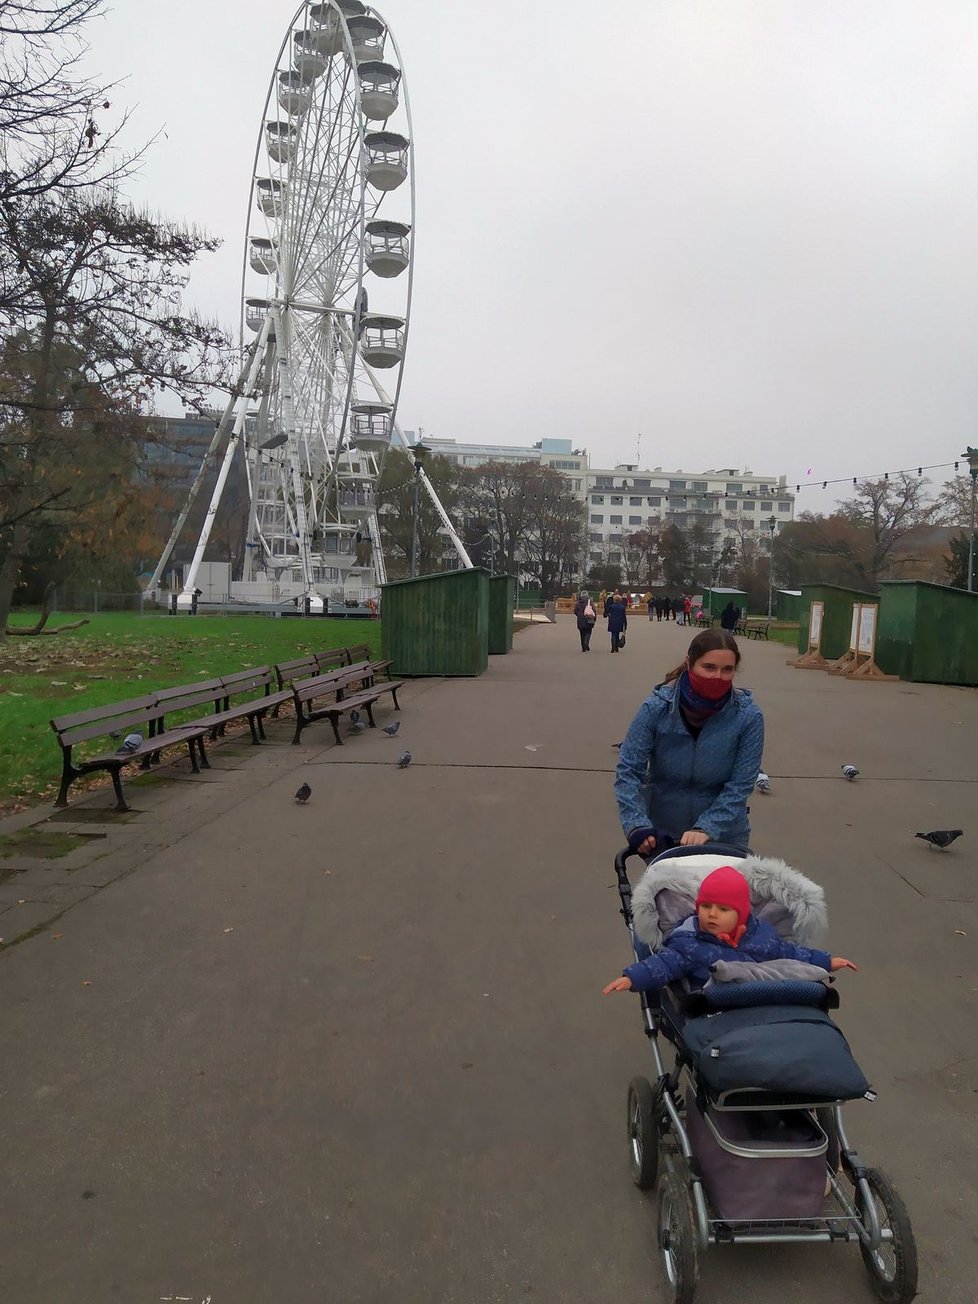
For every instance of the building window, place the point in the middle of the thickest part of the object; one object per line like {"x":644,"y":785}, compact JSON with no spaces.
{"x":614,"y":520}
{"x":634,"y":520}
{"x":677,"y":485}
{"x":603,"y":482}
{"x":566,"y":466}
{"x":597,"y":500}
{"x":654,"y":502}
{"x":577,"y":486}
{"x":614,"y":558}
{"x":597,"y":520}
{"x":748,"y":505}
{"x":643,"y":484}
{"x":700,"y":486}
{"x":767,"y":507}
{"x":732,"y":507}
{"x":784,"y":507}
{"x":596,"y":556}
{"x":734,"y":489}
{"x":617,"y":500}
{"x":635,"y":502}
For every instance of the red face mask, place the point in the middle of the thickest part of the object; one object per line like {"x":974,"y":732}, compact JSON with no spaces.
{"x":711,"y":689}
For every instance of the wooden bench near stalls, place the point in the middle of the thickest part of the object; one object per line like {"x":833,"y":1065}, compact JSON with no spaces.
{"x":346,"y":691}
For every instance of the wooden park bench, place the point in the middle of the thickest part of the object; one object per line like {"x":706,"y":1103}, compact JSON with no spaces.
{"x":114,"y":720}
{"x":348,"y":690}
{"x":752,"y":629}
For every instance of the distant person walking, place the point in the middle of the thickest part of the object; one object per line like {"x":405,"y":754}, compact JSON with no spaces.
{"x":586,"y":616}
{"x":677,"y":610}
{"x":617,"y":621}
{"x":651,"y":606}
{"x":729,"y":616}
{"x":687,"y":608}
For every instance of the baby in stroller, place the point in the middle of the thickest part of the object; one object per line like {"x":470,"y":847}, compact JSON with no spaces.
{"x":722,"y":929}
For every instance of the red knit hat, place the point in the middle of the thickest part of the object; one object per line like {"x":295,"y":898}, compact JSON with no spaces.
{"x":726,"y":887}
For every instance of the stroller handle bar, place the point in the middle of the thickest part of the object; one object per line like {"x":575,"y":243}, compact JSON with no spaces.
{"x":674,"y":853}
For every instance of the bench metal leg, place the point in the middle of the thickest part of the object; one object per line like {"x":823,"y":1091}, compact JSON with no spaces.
{"x":334,"y":721}
{"x":254,"y":732}
{"x":120,"y":803}
{"x":394,"y":697}
{"x":300,"y":724}
{"x":370,"y":714}
{"x":203,"y":755}
{"x":68,"y":776}
{"x":260,"y":720}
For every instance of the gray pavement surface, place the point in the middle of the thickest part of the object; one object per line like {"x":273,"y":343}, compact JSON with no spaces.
{"x":356,"y":1051}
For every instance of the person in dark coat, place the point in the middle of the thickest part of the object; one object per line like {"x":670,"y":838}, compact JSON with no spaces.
{"x":661,"y":608}
{"x":617,"y":620}
{"x":729,"y":616}
{"x":586,"y":616}
{"x":677,"y":610}
{"x":723,"y":928}
{"x":651,"y":606}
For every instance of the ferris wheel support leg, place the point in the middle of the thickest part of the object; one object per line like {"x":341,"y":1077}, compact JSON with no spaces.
{"x":185,"y":600}
{"x":446,"y":521}
{"x":205,"y":465}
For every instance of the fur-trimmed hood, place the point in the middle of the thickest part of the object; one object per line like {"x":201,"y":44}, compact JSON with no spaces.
{"x":785,"y":898}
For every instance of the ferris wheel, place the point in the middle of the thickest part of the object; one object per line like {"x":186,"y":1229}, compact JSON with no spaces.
{"x":326,"y":297}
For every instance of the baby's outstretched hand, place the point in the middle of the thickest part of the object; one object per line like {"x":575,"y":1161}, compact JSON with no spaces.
{"x":620,"y":985}
{"x":839,"y":963}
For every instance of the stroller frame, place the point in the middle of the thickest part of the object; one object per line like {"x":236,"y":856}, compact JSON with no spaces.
{"x":872,"y":1214}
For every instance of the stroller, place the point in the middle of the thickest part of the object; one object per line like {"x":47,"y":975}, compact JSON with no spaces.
{"x":744,"y":1136}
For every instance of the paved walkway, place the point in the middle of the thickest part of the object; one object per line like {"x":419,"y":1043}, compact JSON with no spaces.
{"x":356,"y":1051}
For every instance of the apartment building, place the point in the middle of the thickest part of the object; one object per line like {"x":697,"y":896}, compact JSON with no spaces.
{"x":727,"y":501}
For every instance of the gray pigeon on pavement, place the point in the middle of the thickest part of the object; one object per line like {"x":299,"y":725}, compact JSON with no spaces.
{"x":404,"y":760}
{"x":357,"y":726}
{"x":763,"y":783}
{"x":391,"y":729}
{"x":850,"y":772}
{"x":303,"y":795}
{"x":354,"y":715}
{"x":941,"y":838}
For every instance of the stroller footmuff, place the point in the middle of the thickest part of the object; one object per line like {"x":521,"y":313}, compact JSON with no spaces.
{"x":745,"y":1132}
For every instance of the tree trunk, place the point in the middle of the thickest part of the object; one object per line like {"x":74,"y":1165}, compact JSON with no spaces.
{"x":10,"y":571}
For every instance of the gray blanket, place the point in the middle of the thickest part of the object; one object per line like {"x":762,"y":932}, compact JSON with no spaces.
{"x":752,"y":971}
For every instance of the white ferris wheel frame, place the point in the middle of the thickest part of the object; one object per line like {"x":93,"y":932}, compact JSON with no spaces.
{"x":269,"y":353}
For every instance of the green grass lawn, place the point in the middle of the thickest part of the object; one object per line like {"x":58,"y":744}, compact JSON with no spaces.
{"x":120,"y":655}
{"x":787,"y":634}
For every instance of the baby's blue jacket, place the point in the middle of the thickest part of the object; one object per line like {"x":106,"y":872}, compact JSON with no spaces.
{"x":689,"y":953}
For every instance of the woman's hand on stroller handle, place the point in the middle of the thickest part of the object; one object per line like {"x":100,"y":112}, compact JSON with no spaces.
{"x":621,"y":985}
{"x":839,"y":963}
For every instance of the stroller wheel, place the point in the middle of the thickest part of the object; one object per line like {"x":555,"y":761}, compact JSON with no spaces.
{"x":643,"y":1134}
{"x":892,"y":1266}
{"x":677,"y":1238}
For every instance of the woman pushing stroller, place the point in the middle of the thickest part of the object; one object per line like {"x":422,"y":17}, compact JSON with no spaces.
{"x":689,"y":761}
{"x":723,"y":928}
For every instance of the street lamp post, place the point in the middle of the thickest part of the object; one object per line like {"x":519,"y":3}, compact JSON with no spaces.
{"x":419,"y":453}
{"x":772,"y":525}
{"x":972,"y":455}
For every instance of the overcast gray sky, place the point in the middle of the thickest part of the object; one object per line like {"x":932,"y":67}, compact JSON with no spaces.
{"x":744,"y":229}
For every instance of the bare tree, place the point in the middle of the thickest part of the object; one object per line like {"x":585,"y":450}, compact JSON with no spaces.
{"x":99,"y":331}
{"x":890,"y":510}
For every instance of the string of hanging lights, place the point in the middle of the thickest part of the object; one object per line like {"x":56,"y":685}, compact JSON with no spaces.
{"x":935,"y":466}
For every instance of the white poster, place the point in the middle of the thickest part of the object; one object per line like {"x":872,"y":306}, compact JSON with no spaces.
{"x":854,"y":628}
{"x":867,"y":629}
{"x":815,"y":624}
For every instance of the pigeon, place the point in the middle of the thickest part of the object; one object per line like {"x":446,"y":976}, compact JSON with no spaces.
{"x":940,"y":838}
{"x":357,"y":726}
{"x":354,"y":716}
{"x":131,"y":742}
{"x":391,"y":729}
{"x":404,"y":760}
{"x":850,"y":772}
{"x":303,"y":795}
{"x":763,"y":783}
